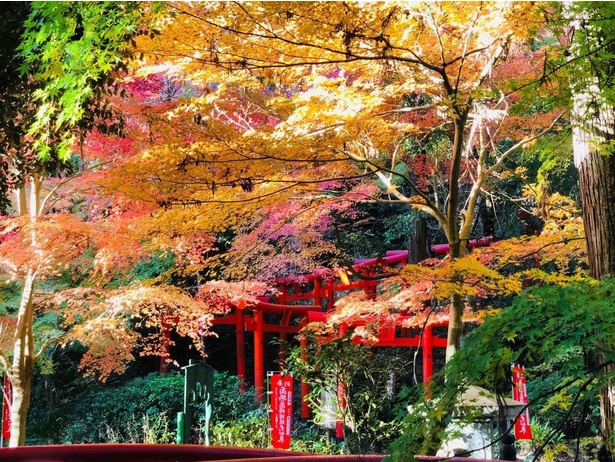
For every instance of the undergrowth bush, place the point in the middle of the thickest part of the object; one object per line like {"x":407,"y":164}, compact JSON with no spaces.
{"x":308,"y":437}
{"x":144,"y":410}
{"x":543,"y":434}
{"x":237,"y":419}
{"x":251,"y":430}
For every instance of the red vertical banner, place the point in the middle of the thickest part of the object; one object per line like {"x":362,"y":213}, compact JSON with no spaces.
{"x":523,"y":431}
{"x":281,"y":402}
{"x":6,"y":409}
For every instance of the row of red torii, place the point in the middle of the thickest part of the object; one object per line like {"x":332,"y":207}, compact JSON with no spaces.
{"x":315,"y":289}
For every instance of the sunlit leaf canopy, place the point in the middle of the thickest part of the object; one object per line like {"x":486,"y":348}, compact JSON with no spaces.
{"x":248,"y":141}
{"x":276,"y":97}
{"x":261,"y":126}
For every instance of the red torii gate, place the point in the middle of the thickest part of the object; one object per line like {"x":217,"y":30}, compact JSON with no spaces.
{"x":292,"y":317}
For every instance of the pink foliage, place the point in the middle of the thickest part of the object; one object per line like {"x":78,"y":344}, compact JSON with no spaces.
{"x":221,"y":296}
{"x":193,"y":248}
{"x":100,"y":146}
{"x":146,"y":87}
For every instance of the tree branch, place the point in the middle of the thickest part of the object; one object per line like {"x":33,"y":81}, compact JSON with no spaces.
{"x":46,"y":344}
{"x":517,"y":145}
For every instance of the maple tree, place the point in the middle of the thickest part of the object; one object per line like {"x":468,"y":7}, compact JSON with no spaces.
{"x":275,"y":101}
{"x":284,"y":97}
{"x":269,"y":122}
{"x":42,"y":238}
{"x":581,"y":60}
{"x":504,"y":268}
{"x":10,"y":131}
{"x":19,"y":162}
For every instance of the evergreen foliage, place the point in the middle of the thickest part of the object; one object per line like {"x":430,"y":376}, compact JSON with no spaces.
{"x":557,"y":332}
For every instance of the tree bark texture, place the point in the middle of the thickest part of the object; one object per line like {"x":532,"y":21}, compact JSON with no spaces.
{"x":593,"y":128}
{"x":456,"y":245}
{"x":22,"y":368}
{"x":597,"y":187}
{"x":418,"y":247}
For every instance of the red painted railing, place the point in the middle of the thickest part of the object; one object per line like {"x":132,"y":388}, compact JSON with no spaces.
{"x":162,"y":453}
{"x":184,"y":453}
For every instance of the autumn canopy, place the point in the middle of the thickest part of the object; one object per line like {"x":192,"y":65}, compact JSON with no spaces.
{"x":171,"y":166}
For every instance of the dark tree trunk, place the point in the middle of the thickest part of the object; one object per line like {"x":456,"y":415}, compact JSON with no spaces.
{"x":456,"y":245}
{"x":418,"y":247}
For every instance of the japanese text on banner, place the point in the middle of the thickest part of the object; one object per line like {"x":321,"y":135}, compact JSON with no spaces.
{"x":523,"y":430}
{"x":281,"y":397}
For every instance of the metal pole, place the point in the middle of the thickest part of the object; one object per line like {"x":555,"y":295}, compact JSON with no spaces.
{"x":180,"y":427}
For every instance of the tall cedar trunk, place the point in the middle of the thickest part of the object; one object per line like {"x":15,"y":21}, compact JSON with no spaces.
{"x":457,"y":247}
{"x":597,"y":187}
{"x":593,"y":130}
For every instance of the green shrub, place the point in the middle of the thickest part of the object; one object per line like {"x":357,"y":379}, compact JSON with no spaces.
{"x":135,"y":412}
{"x":250,"y":431}
{"x":582,"y":420}
{"x":230,"y":403}
{"x":237,"y":419}
{"x":145,"y":409}
{"x":308,"y":437}
{"x":371,"y":414}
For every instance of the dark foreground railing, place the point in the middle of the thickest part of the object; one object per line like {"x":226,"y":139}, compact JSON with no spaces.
{"x":163,"y":453}
{"x":182,"y":453}
{"x":454,"y":459}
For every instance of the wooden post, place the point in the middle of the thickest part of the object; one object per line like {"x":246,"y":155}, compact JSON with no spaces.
{"x":240,"y":337}
{"x":330,"y":294}
{"x":317,"y":292}
{"x":305,"y":387}
{"x":427,"y":342}
{"x":259,"y":359}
